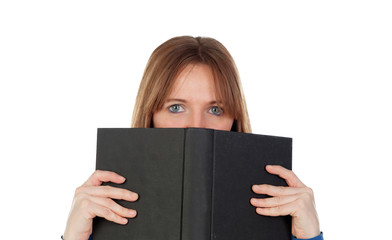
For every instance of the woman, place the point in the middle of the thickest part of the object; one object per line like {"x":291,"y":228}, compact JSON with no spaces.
{"x":191,"y":82}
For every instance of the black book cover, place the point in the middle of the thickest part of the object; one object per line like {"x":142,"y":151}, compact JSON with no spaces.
{"x":193,"y":183}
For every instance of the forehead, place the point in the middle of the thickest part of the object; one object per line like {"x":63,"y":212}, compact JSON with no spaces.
{"x":194,"y":83}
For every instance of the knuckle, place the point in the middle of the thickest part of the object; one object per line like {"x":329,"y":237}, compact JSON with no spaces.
{"x":281,"y":189}
{"x":307,"y":198}
{"x":95,"y":174}
{"x":278,"y":209}
{"x":124,"y":194}
{"x":107,"y":213}
{"x":278,"y":199}
{"x":122,"y":210}
{"x":301,"y":204}
{"x":309,"y":194}
{"x":109,"y":203}
{"x":79,"y":190}
{"x":118,"y":208}
{"x":98,"y":174}
{"x":289,"y":174}
{"x":85,"y":203}
{"x":261,"y":201}
{"x":262,"y":188}
{"x":106,"y":190}
{"x":78,"y":197}
{"x":309,"y":191}
{"x":267,"y":188}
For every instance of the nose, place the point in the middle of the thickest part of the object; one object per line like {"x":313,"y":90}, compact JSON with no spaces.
{"x":196,"y":120}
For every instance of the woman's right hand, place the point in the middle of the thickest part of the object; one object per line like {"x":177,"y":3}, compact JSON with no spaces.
{"x":91,"y":200}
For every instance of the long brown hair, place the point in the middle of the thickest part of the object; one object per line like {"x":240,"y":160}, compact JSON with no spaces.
{"x":167,"y":61}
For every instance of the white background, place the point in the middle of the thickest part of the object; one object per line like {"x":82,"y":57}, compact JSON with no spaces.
{"x":316,"y":71}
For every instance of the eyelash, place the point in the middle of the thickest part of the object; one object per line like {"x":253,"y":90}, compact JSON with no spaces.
{"x":220,"y":113}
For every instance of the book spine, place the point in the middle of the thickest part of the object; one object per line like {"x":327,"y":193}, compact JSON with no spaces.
{"x":197,"y":180}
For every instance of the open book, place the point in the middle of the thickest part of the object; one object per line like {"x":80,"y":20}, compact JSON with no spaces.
{"x":193,"y":183}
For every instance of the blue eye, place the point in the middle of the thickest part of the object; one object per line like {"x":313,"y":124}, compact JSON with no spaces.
{"x":175,"y":108}
{"x":216,"y":110}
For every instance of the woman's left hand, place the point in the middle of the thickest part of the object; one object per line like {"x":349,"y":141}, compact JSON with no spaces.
{"x":296,"y":200}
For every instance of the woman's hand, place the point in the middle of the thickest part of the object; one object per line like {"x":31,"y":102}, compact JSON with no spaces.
{"x":91,"y":200}
{"x":296,"y":200}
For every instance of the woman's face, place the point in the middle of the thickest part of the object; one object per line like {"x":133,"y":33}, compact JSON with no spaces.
{"x":192,"y":102}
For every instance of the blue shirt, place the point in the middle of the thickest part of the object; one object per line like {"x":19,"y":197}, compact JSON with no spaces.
{"x":319,"y":237}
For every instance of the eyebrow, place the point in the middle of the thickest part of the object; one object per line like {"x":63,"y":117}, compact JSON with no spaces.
{"x":184,"y":101}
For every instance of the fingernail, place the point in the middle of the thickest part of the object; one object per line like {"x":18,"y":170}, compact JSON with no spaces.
{"x":124,"y":220}
{"x":122,"y":178}
{"x":133,"y":213}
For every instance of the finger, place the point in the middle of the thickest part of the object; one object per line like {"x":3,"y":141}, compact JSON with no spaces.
{"x":275,"y":190}
{"x":114,"y":207}
{"x":281,"y":210}
{"x":109,"y":192}
{"x":305,"y":218}
{"x":104,"y":212}
{"x":100,"y":176}
{"x":288,"y":175}
{"x":273,"y":201}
